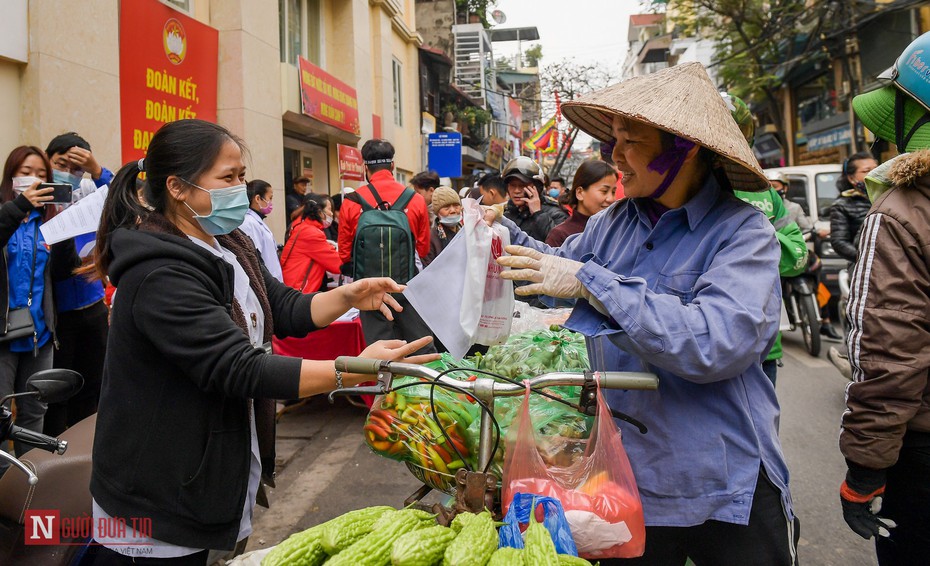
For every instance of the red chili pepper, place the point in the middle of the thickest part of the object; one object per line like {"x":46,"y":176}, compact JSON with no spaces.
{"x":459,"y":445}
{"x":377,"y":430}
{"x":373,"y":419}
{"x":442,"y":453}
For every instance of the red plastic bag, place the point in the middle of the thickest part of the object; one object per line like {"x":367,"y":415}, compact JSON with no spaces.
{"x":597,"y":489}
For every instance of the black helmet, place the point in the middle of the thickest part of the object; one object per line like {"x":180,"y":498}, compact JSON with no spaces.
{"x":525,"y":169}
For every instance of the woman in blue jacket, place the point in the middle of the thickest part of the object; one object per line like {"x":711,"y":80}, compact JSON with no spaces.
{"x":681,"y":279}
{"x":26,"y":279}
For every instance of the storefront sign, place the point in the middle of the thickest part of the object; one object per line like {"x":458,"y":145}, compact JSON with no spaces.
{"x":445,"y":154}
{"x":495,"y":152}
{"x":327,"y":99}
{"x":167,"y":71}
{"x":830,"y":138}
{"x":351,"y":165}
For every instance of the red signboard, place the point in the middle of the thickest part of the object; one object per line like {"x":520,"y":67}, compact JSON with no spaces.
{"x":326,"y":98}
{"x":167,"y":71}
{"x":351,"y":164}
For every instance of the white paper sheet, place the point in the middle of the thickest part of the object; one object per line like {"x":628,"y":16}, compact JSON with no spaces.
{"x":436,"y":294}
{"x":82,"y":217}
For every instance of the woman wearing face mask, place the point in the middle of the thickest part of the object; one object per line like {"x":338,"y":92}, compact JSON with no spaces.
{"x":593,"y":190}
{"x":448,"y":209}
{"x":850,"y":208}
{"x":681,"y":279}
{"x":185,"y":427}
{"x":260,"y":196}
{"x":26,"y":270}
{"x":307,"y":256}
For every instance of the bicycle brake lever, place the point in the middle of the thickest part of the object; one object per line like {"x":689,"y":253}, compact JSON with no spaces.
{"x":627,"y":418}
{"x":378,"y":389}
{"x":588,"y":404}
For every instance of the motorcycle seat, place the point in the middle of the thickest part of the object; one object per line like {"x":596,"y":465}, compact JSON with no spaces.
{"x":64,"y":479}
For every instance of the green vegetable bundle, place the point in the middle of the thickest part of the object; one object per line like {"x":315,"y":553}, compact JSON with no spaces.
{"x":382,"y":536}
{"x":561,"y":430}
{"x":527,"y":355}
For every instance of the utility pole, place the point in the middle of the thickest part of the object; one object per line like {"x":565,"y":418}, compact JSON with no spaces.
{"x":852,"y":71}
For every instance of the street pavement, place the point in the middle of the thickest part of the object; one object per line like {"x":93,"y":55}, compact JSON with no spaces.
{"x":324,"y":468}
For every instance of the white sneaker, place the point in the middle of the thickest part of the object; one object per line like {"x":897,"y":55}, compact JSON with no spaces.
{"x":840,"y":361}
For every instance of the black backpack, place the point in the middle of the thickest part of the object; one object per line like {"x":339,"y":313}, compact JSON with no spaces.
{"x":384,"y":244}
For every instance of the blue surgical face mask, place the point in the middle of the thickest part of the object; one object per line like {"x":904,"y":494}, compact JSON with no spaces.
{"x":450,"y":220}
{"x":554,"y":193}
{"x":229,"y":206}
{"x":66,"y":177}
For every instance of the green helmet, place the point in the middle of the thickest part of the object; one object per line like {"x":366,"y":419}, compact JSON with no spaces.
{"x":742,"y":115}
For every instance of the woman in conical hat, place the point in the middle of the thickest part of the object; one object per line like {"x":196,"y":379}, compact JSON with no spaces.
{"x":681,"y":279}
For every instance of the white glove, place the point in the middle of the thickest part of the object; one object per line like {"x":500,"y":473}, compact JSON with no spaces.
{"x":551,"y":275}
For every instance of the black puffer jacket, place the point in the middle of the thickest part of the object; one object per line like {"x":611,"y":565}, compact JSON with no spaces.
{"x":538,"y":225}
{"x":846,"y":216}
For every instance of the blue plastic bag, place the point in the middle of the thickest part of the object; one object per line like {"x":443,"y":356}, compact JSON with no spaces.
{"x":525,"y":503}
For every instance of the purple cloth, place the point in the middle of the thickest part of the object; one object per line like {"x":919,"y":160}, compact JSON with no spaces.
{"x":670,"y":161}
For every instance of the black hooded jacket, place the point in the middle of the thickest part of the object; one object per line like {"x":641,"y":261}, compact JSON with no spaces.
{"x":846,"y":216}
{"x":172,"y":440}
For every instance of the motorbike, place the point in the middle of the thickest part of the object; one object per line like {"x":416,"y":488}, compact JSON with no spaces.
{"x":49,"y":480}
{"x":800,"y":297}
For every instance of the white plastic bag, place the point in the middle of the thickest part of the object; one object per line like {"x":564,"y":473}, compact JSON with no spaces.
{"x":460,"y":294}
{"x":483,"y":282}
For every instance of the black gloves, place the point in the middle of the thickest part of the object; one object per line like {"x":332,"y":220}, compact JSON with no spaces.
{"x":861,"y":496}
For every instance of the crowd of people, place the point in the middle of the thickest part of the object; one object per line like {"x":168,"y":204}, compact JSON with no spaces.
{"x":659,"y":246}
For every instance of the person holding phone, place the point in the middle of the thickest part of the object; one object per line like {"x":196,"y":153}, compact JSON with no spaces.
{"x":27,"y":277}
{"x":532,"y":213}
{"x":82,"y":315}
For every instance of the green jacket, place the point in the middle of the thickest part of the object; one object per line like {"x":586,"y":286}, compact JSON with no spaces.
{"x":793,"y":248}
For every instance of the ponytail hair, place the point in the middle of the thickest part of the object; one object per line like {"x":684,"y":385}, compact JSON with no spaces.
{"x":314,"y":205}
{"x":186,"y":149}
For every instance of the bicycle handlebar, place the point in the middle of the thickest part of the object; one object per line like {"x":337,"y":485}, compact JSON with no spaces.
{"x":351,"y":364}
{"x":607,"y":380}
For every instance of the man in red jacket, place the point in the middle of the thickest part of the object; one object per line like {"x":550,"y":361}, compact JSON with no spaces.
{"x":379,"y":166}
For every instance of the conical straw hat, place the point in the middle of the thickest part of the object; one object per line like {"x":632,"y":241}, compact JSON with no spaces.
{"x":681,"y":100}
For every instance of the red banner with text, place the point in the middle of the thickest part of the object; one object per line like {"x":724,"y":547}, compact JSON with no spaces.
{"x":351,"y":164}
{"x":327,"y":99}
{"x":167,"y":71}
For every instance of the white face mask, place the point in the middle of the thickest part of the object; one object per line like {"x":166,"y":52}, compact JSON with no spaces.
{"x":327,"y":221}
{"x":20,"y":184}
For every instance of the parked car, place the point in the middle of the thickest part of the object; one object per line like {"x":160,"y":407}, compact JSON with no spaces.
{"x":814,"y":188}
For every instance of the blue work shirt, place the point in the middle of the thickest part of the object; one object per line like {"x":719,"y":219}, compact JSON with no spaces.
{"x":694,"y":299}
{"x":26,"y":240}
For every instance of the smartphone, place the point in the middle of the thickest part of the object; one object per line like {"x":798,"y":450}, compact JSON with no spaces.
{"x":61,"y":193}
